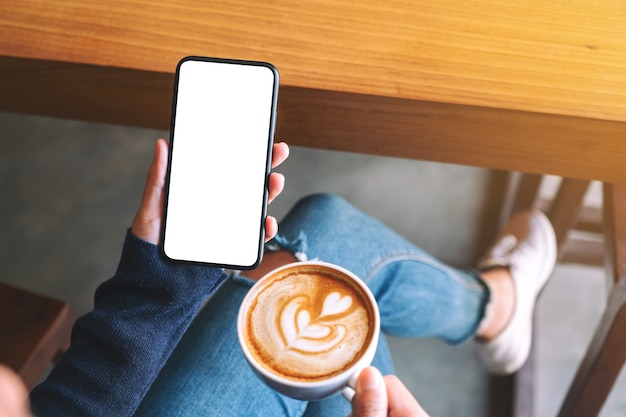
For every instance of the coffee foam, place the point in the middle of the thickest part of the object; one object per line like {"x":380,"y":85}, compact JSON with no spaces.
{"x":308,"y":325}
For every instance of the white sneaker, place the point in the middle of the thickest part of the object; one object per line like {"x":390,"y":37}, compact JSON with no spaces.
{"x":527,"y":246}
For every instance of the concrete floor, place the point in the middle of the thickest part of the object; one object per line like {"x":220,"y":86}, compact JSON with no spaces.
{"x":70,"y":190}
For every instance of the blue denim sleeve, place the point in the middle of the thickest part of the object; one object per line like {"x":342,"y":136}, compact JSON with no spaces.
{"x":118,"y":349}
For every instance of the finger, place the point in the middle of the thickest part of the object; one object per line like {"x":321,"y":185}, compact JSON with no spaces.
{"x":277,"y":184}
{"x":370,"y":398}
{"x":147,"y":222}
{"x":271,"y":228}
{"x":13,"y":394}
{"x":401,"y":401}
{"x":280,"y":152}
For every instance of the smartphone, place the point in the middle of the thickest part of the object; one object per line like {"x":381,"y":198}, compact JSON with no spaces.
{"x":221,"y":137}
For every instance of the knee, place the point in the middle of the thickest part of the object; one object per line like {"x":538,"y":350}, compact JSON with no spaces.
{"x":311,"y":221}
{"x":317,"y":212}
{"x":322,"y":202}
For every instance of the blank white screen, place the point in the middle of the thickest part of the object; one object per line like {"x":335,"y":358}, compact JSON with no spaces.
{"x":220,"y":149}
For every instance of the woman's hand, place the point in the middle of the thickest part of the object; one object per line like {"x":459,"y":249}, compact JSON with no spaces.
{"x":376,"y":396}
{"x":147,"y":222}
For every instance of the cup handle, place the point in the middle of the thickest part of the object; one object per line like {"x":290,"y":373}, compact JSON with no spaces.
{"x":349,"y":390}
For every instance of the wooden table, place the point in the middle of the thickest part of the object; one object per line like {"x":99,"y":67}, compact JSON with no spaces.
{"x":537,"y":86}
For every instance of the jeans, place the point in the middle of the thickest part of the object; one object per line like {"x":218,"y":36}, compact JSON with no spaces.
{"x":418,"y":296}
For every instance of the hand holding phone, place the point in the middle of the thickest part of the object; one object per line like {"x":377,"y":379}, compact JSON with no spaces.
{"x":223,"y":122}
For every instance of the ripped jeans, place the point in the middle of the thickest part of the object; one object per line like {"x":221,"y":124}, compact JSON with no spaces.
{"x":418,"y":296}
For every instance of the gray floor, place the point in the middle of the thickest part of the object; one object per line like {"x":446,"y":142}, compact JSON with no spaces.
{"x":70,"y":189}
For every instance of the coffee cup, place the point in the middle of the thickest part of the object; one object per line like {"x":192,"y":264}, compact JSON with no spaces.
{"x":307,"y":329}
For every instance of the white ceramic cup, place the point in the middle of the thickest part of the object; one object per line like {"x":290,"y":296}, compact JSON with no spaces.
{"x":343,"y":382}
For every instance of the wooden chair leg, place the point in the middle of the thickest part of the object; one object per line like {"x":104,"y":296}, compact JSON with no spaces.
{"x":565,"y":208}
{"x":603,"y":361}
{"x":527,"y":192}
{"x":614,"y":212}
{"x":521,"y":193}
{"x":606,"y":354}
{"x":512,"y":396}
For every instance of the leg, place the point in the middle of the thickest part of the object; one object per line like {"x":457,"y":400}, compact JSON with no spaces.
{"x":207,"y":373}
{"x":418,"y":296}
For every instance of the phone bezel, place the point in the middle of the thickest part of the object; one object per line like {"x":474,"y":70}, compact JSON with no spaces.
{"x":172,"y":143}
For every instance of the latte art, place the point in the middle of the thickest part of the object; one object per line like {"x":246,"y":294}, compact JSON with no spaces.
{"x":308,"y":325}
{"x":300,"y":332}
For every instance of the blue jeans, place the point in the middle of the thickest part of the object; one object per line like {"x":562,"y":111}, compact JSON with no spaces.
{"x":418,"y":296}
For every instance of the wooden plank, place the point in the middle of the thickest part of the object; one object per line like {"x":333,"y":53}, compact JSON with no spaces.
{"x":483,"y":137}
{"x":584,"y":251}
{"x":553,"y":57}
{"x":589,"y":219}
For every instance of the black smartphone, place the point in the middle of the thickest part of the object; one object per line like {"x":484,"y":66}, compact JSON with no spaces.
{"x":222,"y":131}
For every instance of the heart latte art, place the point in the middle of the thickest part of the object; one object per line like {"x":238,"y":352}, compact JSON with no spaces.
{"x":308,"y":325}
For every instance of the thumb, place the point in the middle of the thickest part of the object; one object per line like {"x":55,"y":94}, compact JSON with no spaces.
{"x":147,"y":222}
{"x":370,"y":398}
